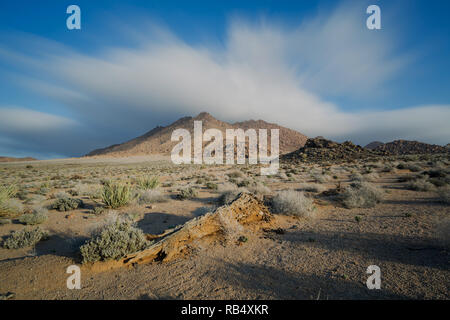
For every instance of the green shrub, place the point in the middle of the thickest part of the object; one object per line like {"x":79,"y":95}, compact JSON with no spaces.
{"x":292,"y":202}
{"x":8,"y":206}
{"x":67,"y":204}
{"x":361,"y":195}
{"x":114,"y":241}
{"x":116,"y":195}
{"x":147,"y":183}
{"x":188,"y":193}
{"x":24,"y":238}
{"x":38,"y":216}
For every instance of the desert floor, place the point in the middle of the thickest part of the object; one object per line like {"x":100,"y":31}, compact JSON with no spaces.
{"x":319,"y":257}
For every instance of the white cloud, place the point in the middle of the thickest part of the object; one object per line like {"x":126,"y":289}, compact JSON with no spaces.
{"x":265,"y":71}
{"x":21,"y":120}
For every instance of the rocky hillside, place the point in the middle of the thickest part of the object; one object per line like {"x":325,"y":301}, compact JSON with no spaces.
{"x":373,"y":145}
{"x":319,"y":150}
{"x":400,"y":147}
{"x":158,"y":140}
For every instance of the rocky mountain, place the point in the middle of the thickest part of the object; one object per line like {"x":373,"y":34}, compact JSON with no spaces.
{"x":158,"y":140}
{"x":374,"y":144}
{"x":12,"y":159}
{"x":318,"y":150}
{"x":399,"y":147}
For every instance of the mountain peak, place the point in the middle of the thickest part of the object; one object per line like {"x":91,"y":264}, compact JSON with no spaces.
{"x":204,"y":116}
{"x":158,"y":140}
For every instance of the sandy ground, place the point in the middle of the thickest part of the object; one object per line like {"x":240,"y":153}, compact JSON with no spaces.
{"x":325,"y":257}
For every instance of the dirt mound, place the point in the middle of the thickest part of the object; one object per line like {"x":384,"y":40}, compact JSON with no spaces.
{"x":400,"y":147}
{"x":320,"y":150}
{"x":229,"y":222}
{"x":158,"y":140}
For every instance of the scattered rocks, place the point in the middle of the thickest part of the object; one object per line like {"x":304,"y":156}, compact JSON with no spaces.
{"x":319,"y":150}
{"x":400,"y":147}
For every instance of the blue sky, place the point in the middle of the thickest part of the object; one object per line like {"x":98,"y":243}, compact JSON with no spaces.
{"x":309,"y":65}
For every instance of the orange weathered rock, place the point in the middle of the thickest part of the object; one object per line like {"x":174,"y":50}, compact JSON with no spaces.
{"x":246,"y":212}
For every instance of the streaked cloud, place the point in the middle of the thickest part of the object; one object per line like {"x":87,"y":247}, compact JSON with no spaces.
{"x":263,"y":70}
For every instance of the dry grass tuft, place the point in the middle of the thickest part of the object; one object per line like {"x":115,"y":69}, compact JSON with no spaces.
{"x":292,"y":202}
{"x":361,"y":195}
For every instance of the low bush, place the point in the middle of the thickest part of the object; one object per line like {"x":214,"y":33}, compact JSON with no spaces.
{"x":292,"y":202}
{"x":188,"y":193}
{"x":24,"y":238}
{"x":420,"y":185}
{"x":361,"y":195}
{"x":67,"y":204}
{"x":114,"y":241}
{"x":151,"y":196}
{"x":38,"y":216}
{"x":211,"y":186}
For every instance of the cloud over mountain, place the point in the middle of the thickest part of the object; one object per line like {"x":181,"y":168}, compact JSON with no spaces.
{"x":262,"y":70}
